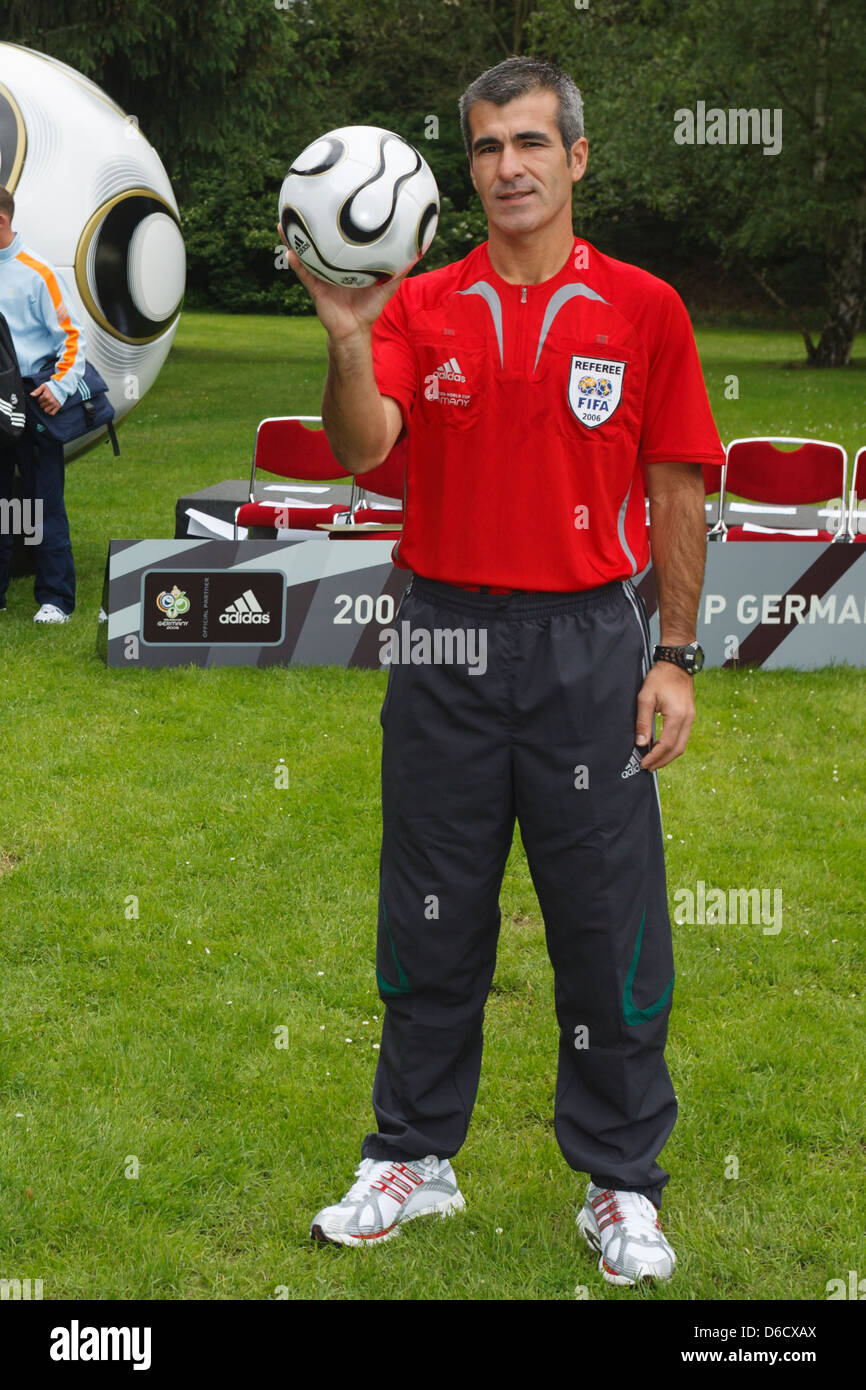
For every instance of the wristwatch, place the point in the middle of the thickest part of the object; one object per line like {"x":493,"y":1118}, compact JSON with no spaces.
{"x":690,"y":658}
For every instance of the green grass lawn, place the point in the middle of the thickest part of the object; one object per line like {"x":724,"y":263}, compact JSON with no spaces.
{"x":189,"y":1013}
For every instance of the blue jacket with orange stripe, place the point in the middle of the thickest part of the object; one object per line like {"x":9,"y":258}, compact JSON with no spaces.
{"x":34,"y":302}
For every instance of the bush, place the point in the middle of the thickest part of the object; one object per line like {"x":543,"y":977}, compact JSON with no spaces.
{"x":233,"y":248}
{"x":234,"y":253}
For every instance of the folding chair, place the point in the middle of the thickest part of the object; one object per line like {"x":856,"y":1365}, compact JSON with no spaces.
{"x":857,"y":504}
{"x":758,"y":470}
{"x":714,"y":481}
{"x":388,"y":479}
{"x":285,"y":447}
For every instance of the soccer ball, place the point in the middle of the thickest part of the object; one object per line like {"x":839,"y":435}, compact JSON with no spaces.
{"x":359,"y":206}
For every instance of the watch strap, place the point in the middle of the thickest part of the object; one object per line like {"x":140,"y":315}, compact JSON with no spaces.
{"x":683,"y":656}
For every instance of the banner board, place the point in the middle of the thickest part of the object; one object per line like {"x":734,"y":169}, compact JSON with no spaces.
{"x":305,"y":603}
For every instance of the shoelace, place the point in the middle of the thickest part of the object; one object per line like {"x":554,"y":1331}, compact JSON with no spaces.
{"x":364,"y":1174}
{"x":368,"y":1172}
{"x":611,"y":1207}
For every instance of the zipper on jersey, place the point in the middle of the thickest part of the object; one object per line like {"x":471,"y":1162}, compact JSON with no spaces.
{"x":519,"y":334}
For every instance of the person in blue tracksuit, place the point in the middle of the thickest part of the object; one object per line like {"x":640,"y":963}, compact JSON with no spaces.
{"x":35,"y":304}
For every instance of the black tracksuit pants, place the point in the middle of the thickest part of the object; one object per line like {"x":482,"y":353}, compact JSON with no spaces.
{"x":535,"y":723}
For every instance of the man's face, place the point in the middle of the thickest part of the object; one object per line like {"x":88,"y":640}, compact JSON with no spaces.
{"x":519,"y":165}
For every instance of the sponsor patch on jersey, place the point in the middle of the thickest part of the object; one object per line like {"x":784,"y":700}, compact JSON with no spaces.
{"x":595,"y":388}
{"x":434,"y":390}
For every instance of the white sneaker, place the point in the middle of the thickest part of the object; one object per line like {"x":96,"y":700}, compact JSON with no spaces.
{"x":385,"y":1195}
{"x":623,"y":1227}
{"x":50,"y":613}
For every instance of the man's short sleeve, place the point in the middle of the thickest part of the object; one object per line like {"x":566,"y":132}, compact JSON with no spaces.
{"x":678,"y":425}
{"x":394,"y":365}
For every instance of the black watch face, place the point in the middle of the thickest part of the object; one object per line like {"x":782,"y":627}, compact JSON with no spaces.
{"x":696,"y":658}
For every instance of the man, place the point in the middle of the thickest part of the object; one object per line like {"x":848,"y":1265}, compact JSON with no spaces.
{"x":539,"y":383}
{"x":35,"y":306}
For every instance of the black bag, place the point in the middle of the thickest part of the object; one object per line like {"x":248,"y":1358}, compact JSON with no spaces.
{"x":12,"y":399}
{"x":85,"y":410}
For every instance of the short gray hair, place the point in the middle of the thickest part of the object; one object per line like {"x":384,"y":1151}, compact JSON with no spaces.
{"x":514,"y":78}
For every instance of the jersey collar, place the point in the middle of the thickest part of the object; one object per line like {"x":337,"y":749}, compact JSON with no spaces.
{"x":570,"y":271}
{"x":8,"y":253}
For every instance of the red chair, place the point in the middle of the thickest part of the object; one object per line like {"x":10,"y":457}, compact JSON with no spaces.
{"x":857,"y":504}
{"x":285,"y":446}
{"x":714,"y":478}
{"x":758,"y":470}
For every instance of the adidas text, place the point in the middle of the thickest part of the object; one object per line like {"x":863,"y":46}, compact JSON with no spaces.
{"x":632,"y":766}
{"x":245,"y":617}
{"x":245,"y":609}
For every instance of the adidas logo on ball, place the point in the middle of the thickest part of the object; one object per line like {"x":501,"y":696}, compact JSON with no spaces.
{"x":246,"y":609}
{"x":300,"y":245}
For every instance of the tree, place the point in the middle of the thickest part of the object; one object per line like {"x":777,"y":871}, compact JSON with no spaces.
{"x":803,"y":59}
{"x":200,"y":78}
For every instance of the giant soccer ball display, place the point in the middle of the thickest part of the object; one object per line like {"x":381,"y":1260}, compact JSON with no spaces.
{"x":92,"y":197}
{"x":359,"y":206}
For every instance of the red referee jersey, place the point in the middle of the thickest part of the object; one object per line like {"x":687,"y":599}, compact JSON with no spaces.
{"x":531,"y":411}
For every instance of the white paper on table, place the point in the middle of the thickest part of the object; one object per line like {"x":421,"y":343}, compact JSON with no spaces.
{"x":779,"y":530}
{"x":760,"y":507}
{"x":204,"y":526}
{"x":292,"y":502}
{"x":296,"y":487}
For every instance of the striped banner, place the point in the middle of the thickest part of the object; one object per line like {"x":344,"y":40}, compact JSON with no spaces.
{"x":309,"y":603}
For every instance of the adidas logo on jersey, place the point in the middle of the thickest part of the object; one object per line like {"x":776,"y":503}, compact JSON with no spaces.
{"x":450,"y":371}
{"x":435,"y":389}
{"x":246,"y":609}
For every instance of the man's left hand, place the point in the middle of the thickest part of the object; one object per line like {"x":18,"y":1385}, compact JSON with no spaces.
{"x":45,"y":397}
{"x":668,"y":691}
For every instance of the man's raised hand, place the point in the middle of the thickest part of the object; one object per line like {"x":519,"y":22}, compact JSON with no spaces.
{"x":342,"y":312}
